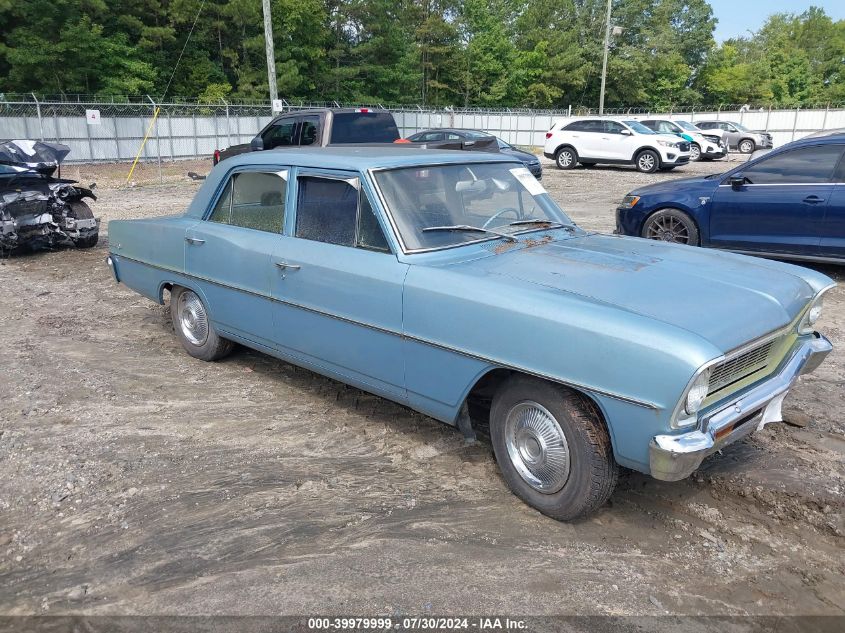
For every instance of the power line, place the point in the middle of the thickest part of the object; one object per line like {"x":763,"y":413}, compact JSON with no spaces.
{"x":176,"y":67}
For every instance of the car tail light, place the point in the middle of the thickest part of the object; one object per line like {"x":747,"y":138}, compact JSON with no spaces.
{"x":401,"y":140}
{"x":548,"y":134}
{"x":362,"y":110}
{"x":216,"y":156}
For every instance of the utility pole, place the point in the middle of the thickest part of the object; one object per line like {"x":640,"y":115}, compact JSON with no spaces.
{"x":271,"y":55}
{"x":604,"y":64}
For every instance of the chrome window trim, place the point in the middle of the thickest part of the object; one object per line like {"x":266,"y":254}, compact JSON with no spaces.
{"x":491,"y":361}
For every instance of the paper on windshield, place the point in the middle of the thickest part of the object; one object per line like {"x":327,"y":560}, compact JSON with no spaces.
{"x":531,"y":184}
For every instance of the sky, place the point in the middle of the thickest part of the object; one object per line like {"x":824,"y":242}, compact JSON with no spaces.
{"x":737,"y":17}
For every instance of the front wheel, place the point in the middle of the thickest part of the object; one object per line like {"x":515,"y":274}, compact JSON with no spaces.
{"x":193,"y":327}
{"x":80,"y":210}
{"x":552,"y":447}
{"x":695,"y":152}
{"x":746,"y":146}
{"x":647,"y":161}
{"x":671,"y":225}
{"x":566,"y":158}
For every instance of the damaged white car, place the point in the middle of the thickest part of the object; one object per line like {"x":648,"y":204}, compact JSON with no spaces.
{"x":38,"y":210}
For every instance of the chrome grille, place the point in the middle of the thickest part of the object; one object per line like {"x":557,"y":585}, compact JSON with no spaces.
{"x":737,"y":368}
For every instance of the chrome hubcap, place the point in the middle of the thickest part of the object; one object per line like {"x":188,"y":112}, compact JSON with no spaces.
{"x":646,"y":162}
{"x":537,"y":447}
{"x":192,"y":318}
{"x":695,"y":153}
{"x":565,"y":159}
{"x":668,"y":229}
{"x":746,"y":147}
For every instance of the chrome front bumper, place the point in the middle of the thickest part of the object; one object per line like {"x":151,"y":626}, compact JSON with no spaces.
{"x":674,"y":457}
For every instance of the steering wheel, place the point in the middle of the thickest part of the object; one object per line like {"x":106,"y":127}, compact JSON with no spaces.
{"x":502,"y":212}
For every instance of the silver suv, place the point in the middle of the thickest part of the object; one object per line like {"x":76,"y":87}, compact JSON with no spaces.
{"x":737,"y":136}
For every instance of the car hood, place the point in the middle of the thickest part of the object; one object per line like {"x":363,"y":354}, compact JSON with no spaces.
{"x":519,"y":154}
{"x":670,"y":186}
{"x":724,"y":298}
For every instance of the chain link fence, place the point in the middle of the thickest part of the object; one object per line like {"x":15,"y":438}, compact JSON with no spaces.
{"x":101,"y":129}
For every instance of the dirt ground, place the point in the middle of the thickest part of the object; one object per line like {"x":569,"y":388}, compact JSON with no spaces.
{"x":137,"y":480}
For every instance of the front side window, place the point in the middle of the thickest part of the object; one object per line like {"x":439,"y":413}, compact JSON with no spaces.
{"x":253,"y":200}
{"x":279,"y":135}
{"x":612,"y":127}
{"x":337,"y":211}
{"x":638,"y":127}
{"x":448,"y":205}
{"x":807,"y":165}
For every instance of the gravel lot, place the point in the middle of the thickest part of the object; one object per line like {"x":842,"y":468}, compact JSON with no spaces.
{"x":136,"y":480}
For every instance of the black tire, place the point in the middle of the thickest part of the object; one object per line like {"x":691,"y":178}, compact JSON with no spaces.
{"x":81,"y":211}
{"x":746,"y":146}
{"x":210,"y":346}
{"x":566,"y":158}
{"x":647,"y":161}
{"x":694,"y":152}
{"x":671,"y":225}
{"x":592,"y":471}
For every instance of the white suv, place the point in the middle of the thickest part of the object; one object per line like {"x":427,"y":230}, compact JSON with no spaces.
{"x":621,"y":141}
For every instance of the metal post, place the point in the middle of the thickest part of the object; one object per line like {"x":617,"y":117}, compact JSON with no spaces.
{"x":604,"y":63}
{"x":824,"y":121}
{"x":768,"y":116}
{"x":38,"y":110}
{"x":90,"y":144}
{"x":196,"y":142}
{"x":271,"y":55}
{"x":228,"y":126}
{"x":170,"y":135}
{"x":158,"y":140}
{"x":794,"y":124}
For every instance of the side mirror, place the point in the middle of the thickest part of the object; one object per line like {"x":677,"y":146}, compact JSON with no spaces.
{"x":626,"y":132}
{"x":737,"y":181}
{"x":257,"y":144}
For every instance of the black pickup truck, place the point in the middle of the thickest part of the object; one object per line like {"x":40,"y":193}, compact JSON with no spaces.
{"x":337,"y":126}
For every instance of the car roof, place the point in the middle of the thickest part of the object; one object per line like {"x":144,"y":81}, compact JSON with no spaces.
{"x":364,"y":157}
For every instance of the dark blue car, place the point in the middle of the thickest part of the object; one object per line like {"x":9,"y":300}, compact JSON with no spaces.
{"x":789,"y":203}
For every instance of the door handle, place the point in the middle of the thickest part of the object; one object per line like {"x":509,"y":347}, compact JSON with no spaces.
{"x":285,"y":266}
{"x":813,"y":199}
{"x":194,"y":240}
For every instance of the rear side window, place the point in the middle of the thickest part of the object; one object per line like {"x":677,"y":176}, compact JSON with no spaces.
{"x":253,"y":200}
{"x":337,"y":212}
{"x":310,"y":130}
{"x":806,"y":165}
{"x":364,"y":127}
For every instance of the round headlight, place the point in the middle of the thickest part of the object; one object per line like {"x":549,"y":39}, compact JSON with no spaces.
{"x":697,"y":393}
{"x":811,"y":317}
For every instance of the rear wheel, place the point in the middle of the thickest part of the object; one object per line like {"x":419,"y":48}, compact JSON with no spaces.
{"x":747,"y":146}
{"x":193,"y":327}
{"x":552,"y":447}
{"x":671,"y":225}
{"x":79,"y":210}
{"x":566,"y":158}
{"x":647,"y":161}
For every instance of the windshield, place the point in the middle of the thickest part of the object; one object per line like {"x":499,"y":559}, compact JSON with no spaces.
{"x":454,"y":199}
{"x":740,"y":127}
{"x":687,"y":126}
{"x":638,"y":127}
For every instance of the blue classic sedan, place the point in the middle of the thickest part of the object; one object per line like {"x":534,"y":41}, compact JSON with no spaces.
{"x":789,"y":203}
{"x":452,"y":283}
